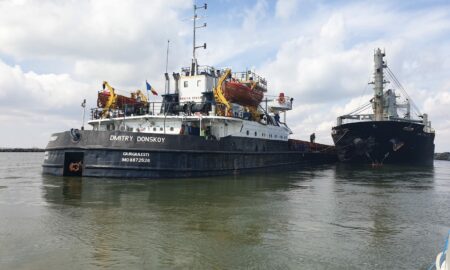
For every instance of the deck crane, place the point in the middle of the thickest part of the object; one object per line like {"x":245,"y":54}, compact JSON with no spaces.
{"x":143,"y":98}
{"x":218,"y":92}
{"x":111,"y":100}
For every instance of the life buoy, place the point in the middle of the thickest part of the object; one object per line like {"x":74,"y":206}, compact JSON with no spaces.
{"x":74,"y":166}
{"x":281,"y":98}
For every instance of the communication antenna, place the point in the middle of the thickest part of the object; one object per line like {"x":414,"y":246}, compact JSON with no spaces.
{"x":167,"y":54}
{"x":83,"y":104}
{"x":166,"y":75}
{"x":194,"y":47}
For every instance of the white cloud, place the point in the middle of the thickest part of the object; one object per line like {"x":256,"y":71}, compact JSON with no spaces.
{"x":318,"y":68}
{"x":284,"y":9}
{"x":32,"y":106}
{"x":98,"y":29}
{"x":38,"y":91}
{"x":96,"y":40}
{"x":438,"y":107}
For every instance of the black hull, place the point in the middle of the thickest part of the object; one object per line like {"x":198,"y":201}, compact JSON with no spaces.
{"x":384,"y":142}
{"x":139,"y":155}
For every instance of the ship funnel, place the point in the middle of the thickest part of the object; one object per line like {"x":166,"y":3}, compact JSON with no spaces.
{"x":166,"y":75}
{"x":176,"y":77}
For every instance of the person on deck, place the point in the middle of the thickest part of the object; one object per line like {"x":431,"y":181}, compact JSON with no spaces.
{"x":312,"y":138}
{"x":277,"y":118}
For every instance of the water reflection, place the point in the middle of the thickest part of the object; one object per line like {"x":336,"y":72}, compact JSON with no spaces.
{"x":72,"y":188}
{"x":386,"y":173}
{"x":178,"y":222}
{"x":278,"y":220}
{"x":381,"y":202}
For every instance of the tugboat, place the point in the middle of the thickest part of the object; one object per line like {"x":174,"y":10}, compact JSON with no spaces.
{"x":384,"y":136}
{"x":215,"y":122}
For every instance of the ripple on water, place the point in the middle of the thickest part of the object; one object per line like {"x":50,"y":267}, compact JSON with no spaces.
{"x":11,"y":177}
{"x":317,"y":218}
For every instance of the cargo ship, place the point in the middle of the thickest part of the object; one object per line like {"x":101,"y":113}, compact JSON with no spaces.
{"x":215,"y":122}
{"x":391,"y":133}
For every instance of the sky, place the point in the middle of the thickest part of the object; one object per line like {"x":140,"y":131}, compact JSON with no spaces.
{"x":55,"y":53}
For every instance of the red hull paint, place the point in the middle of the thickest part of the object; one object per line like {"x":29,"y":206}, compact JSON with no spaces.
{"x":236,"y":92}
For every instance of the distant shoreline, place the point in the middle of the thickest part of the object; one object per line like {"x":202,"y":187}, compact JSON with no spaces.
{"x":442,"y":156}
{"x":22,"y":150}
{"x":437,"y":156}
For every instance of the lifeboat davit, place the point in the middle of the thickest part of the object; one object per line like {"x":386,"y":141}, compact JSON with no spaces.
{"x":236,"y":92}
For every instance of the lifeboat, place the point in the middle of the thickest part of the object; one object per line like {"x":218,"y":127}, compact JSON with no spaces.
{"x":239,"y":93}
{"x":108,"y":99}
{"x":120,"y":101}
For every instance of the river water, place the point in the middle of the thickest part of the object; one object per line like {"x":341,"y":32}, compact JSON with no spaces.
{"x":326,"y":217}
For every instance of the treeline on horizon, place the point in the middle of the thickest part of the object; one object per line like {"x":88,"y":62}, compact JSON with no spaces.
{"x":437,"y":156}
{"x":34,"y":149}
{"x":442,"y":156}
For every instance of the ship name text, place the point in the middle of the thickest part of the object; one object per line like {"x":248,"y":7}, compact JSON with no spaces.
{"x":121,"y":138}
{"x":150,"y":139}
{"x":130,"y":138}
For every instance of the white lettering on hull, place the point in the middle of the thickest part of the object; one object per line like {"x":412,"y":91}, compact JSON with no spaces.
{"x":150,"y":139}
{"x":136,"y":154}
{"x":129,"y":138}
{"x":136,"y":157}
{"x":121,"y":138}
{"x":136,"y":160}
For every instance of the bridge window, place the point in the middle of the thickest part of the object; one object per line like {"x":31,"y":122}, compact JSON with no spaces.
{"x":185,"y":83}
{"x":248,"y":132}
{"x":256,"y":134}
{"x":198,"y":83}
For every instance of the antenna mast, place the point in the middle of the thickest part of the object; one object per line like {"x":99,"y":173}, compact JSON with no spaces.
{"x":194,"y":68}
{"x":167,"y":54}
{"x":166,"y":75}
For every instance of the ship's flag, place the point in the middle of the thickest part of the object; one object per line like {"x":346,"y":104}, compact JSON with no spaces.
{"x":150,"y":88}
{"x":83,"y":104}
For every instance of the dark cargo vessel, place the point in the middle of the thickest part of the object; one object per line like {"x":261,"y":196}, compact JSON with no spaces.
{"x":131,"y":154}
{"x":204,"y":127}
{"x":383,"y":136}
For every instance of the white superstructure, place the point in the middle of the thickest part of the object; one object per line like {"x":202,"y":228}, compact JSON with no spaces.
{"x":198,"y":107}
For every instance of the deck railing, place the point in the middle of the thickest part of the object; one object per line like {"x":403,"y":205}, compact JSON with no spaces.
{"x":166,"y":108}
{"x":345,"y":119}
